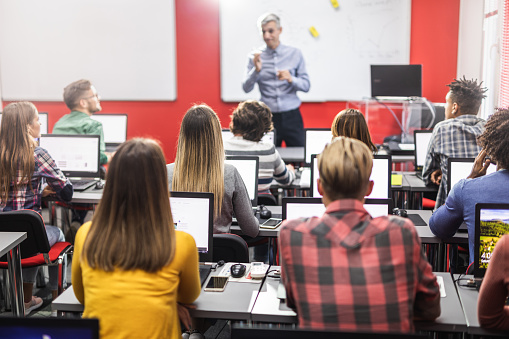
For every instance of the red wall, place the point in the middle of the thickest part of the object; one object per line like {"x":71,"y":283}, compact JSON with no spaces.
{"x":434,"y":44}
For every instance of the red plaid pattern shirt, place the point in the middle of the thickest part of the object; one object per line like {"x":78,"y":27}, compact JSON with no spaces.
{"x":348,"y":271}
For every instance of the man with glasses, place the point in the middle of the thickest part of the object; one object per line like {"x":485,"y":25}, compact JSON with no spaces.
{"x":82,"y":99}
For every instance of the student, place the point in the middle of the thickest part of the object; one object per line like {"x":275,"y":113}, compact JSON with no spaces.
{"x":460,"y":204}
{"x":23,"y":166}
{"x":455,"y":136}
{"x":199,"y":167}
{"x":249,"y":123}
{"x":130,"y":266}
{"x":351,"y":123}
{"x":280,"y":71}
{"x":346,"y":270}
{"x":491,"y":306}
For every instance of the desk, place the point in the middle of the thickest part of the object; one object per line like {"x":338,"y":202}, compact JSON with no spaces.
{"x":468,"y":297}
{"x":9,"y":244}
{"x":416,"y":189}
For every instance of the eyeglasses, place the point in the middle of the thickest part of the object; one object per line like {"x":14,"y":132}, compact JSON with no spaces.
{"x":94,"y":96}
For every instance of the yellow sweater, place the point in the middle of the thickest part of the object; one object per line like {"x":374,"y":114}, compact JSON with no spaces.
{"x":137,"y":304}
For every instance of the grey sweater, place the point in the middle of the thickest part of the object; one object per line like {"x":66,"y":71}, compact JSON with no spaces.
{"x":235,"y":200}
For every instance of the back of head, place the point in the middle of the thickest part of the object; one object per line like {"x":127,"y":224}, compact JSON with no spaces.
{"x":468,"y":94}
{"x":251,"y":119}
{"x":16,"y":145}
{"x":199,"y":163}
{"x":268,"y":17}
{"x":495,"y":138}
{"x":76,"y":91}
{"x":352,"y":124}
{"x":132,"y":227}
{"x":345,"y":167}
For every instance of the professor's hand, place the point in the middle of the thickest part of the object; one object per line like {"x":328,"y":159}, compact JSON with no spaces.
{"x":284,"y":75}
{"x":257,"y":61}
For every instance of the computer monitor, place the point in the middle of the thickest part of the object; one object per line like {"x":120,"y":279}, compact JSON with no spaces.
{"x":248,"y":167}
{"x":295,"y":208}
{"x":46,"y":327}
{"x":316,"y":139}
{"x":75,"y":155}
{"x":396,"y":80}
{"x":269,"y":137}
{"x":43,"y":119}
{"x":491,"y":224}
{"x":421,"y":142}
{"x":460,"y":168}
{"x":193,"y":213}
{"x":114,"y":128}
{"x":380,"y":174}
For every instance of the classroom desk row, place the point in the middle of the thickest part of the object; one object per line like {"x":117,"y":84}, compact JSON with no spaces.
{"x":258,"y":302}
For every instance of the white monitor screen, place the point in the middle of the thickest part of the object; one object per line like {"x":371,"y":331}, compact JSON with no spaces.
{"x":461,"y":170}
{"x":267,"y":138}
{"x":380,"y":176}
{"x":248,"y":170}
{"x":73,"y":153}
{"x":377,"y":210}
{"x":421,"y":147}
{"x":186,"y":219}
{"x":304,"y":210}
{"x":43,"y":119}
{"x":316,"y":141}
{"x":114,"y":127}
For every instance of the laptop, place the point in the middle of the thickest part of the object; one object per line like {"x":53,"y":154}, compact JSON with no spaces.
{"x":380,"y":174}
{"x":77,"y":156}
{"x":248,"y":167}
{"x":421,"y":142}
{"x":295,"y":208}
{"x":396,"y":81}
{"x":47,"y":327}
{"x":460,"y":168}
{"x":491,"y":223}
{"x":43,"y":119}
{"x":316,"y":139}
{"x":193,"y":213}
{"x":269,"y":137}
{"x":114,"y":129}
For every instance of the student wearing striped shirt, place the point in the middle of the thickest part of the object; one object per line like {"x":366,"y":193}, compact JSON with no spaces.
{"x":348,"y":271}
{"x":249,"y":122}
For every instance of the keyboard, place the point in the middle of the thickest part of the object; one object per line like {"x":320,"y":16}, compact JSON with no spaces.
{"x":82,"y":184}
{"x":204,"y":273}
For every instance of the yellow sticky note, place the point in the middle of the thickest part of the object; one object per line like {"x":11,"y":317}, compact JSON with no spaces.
{"x":334,"y":3}
{"x":313,"y":31}
{"x":396,"y":179}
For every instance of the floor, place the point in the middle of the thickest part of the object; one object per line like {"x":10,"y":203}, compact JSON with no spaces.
{"x":220,"y":330}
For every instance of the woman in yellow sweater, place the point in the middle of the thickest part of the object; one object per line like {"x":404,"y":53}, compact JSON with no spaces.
{"x":130,"y":266}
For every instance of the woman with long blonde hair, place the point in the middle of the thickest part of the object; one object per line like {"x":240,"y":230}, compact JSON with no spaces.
{"x":23,"y":166}
{"x":199,"y":167}
{"x":130,"y":257}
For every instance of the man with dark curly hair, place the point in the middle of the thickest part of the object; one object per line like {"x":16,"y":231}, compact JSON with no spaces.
{"x":478,"y":187}
{"x":456,"y":136}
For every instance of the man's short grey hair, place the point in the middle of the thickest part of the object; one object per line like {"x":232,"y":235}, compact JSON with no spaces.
{"x":268,"y":17}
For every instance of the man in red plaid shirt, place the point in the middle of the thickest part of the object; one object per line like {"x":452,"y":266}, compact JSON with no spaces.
{"x":348,"y":271}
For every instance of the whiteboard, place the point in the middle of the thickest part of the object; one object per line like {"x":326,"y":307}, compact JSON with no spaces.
{"x":351,"y":38}
{"x":125,"y":47}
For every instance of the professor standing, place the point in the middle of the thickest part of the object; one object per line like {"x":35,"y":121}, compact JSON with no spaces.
{"x":280,"y":72}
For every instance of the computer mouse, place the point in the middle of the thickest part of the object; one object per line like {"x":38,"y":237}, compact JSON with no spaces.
{"x":99,"y":185}
{"x":401,"y":212}
{"x":265,"y":213}
{"x":238,"y":270}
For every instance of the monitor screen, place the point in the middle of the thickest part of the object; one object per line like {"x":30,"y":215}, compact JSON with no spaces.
{"x":380,"y":174}
{"x":316,"y":139}
{"x":247,"y":166}
{"x":421,"y":141}
{"x":43,"y":119}
{"x":491,"y":224}
{"x":396,"y":80}
{"x":269,"y":137}
{"x":114,"y":127}
{"x":75,"y":155}
{"x":193,"y":213}
{"x":378,"y":207}
{"x":460,"y":168}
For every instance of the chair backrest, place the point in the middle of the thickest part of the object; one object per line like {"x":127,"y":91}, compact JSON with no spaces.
{"x":230,"y":248}
{"x":30,"y":222}
{"x":267,"y":199}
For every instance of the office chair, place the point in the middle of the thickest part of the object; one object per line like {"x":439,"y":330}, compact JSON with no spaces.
{"x":267,"y":199}
{"x":35,"y":249}
{"x":230,"y":248}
